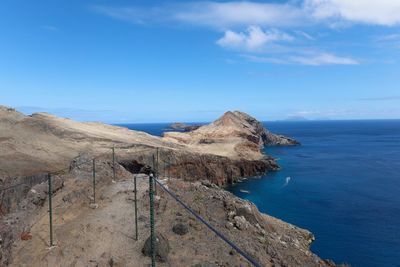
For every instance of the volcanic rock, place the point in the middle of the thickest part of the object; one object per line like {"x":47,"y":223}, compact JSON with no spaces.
{"x":161,"y":247}
{"x":180,"y":229}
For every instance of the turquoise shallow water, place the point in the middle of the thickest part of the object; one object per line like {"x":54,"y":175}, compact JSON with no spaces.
{"x":342,"y":183}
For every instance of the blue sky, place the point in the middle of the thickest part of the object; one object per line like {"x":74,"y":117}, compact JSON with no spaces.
{"x":161,"y":61}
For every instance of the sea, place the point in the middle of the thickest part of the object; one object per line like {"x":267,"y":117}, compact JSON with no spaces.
{"x":342,"y":183}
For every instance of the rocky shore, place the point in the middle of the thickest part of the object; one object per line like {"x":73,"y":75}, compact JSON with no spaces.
{"x":193,"y":164}
{"x":179,"y":126}
{"x":228,"y":149}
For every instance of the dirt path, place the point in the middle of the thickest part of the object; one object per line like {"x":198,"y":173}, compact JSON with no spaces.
{"x":105,"y":236}
{"x":88,"y":237}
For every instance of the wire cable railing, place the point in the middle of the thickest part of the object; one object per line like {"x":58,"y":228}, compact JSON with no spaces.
{"x":212,"y":228}
{"x":154,"y":160}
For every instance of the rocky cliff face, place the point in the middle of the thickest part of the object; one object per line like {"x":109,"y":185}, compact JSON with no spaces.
{"x":82,"y":234}
{"x":235,"y":135}
{"x":265,"y":137}
{"x":191,"y":166}
{"x":223,"y":151}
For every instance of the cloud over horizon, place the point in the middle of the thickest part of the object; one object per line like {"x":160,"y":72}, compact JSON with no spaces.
{"x":270,"y":28}
{"x":314,"y":59}
{"x":243,"y":13}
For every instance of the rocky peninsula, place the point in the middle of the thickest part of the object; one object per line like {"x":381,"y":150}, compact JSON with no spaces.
{"x":192,"y":164}
{"x":179,"y":126}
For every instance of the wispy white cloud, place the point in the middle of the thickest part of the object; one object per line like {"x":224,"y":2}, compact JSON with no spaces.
{"x":310,"y":59}
{"x":276,"y":30}
{"x":252,"y":39}
{"x":239,"y":13}
{"x":292,"y":13}
{"x":323,"y":59}
{"x":388,"y":38}
{"x":305,"y":35}
{"x":382,"y":12}
{"x":226,"y":15}
{"x":346,"y":113}
{"x":388,"y":41}
{"x":243,"y":13}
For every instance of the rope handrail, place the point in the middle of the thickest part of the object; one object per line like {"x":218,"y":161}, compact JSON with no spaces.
{"x":219,"y":234}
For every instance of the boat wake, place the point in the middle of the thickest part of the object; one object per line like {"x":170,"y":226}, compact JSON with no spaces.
{"x":287,"y":180}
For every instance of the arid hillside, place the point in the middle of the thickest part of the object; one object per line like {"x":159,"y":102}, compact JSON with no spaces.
{"x":235,"y":135}
{"x":41,"y":142}
{"x":191,"y":165}
{"x":104,"y":235}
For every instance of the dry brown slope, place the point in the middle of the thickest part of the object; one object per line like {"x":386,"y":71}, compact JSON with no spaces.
{"x":96,"y":237}
{"x":235,"y":135}
{"x":42,"y":142}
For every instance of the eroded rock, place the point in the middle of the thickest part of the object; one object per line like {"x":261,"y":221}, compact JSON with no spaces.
{"x":240,"y":222}
{"x":246,"y":211}
{"x":38,"y":193}
{"x":161,"y":247}
{"x":180,"y":229}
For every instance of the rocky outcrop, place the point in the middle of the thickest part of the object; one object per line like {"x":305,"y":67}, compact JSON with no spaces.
{"x":270,"y":241}
{"x":38,"y":193}
{"x":180,"y":229}
{"x":224,"y":151}
{"x":161,"y":247}
{"x":192,"y":166}
{"x":178,"y":126}
{"x":261,"y":134}
{"x":15,"y":190}
{"x":235,"y":135}
{"x":82,"y":233}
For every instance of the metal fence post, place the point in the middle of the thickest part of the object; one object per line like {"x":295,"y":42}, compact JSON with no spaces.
{"x":50,"y":210}
{"x":94,"y":181}
{"x":113,"y":158}
{"x":152,"y":236}
{"x":155,"y":172}
{"x":136,"y":219}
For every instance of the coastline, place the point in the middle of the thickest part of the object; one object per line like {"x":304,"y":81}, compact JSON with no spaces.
{"x":333,"y":184}
{"x":230,"y":150}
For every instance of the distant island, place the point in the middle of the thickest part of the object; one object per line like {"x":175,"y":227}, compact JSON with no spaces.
{"x":180,"y":126}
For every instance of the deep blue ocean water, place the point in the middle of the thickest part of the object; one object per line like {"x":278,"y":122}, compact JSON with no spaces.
{"x":342,"y":183}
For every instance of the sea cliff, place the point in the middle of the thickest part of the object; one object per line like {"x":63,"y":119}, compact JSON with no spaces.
{"x":191,"y":164}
